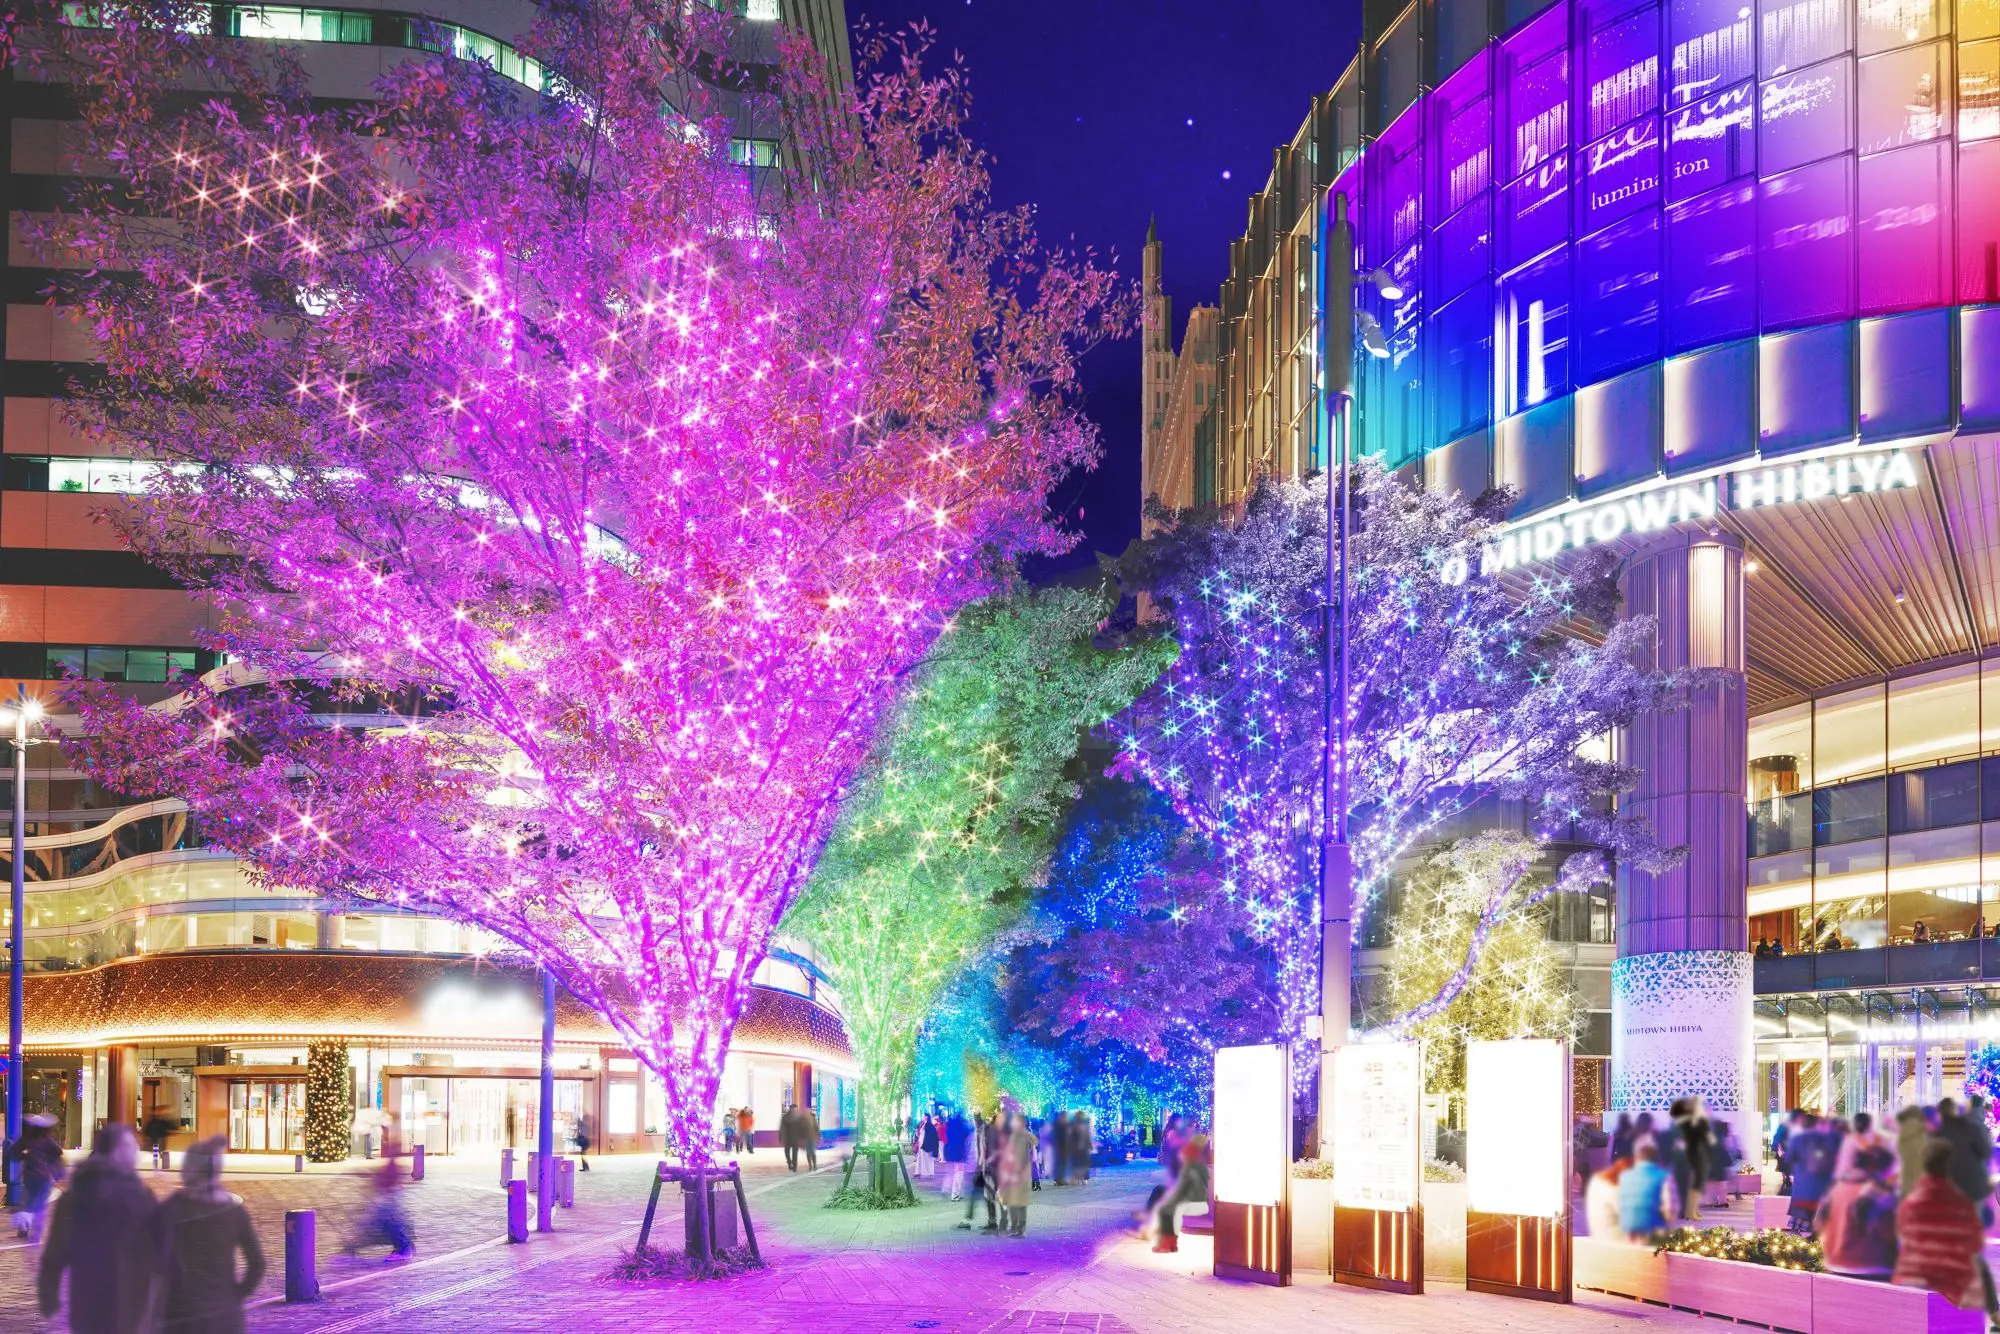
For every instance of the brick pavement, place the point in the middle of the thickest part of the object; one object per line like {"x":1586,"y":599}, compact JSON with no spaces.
{"x":1078,"y":1272}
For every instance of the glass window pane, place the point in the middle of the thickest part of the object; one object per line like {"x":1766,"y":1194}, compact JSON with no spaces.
{"x":1905,"y":367}
{"x":1848,"y":887}
{"x":1462,"y":352}
{"x":1989,"y":705}
{"x":1618,"y":298}
{"x":1798,"y":32}
{"x":1979,"y":90}
{"x":1934,"y":880}
{"x":1712,"y":267}
{"x":69,"y":474}
{"x":1463,"y":249}
{"x":1462,"y":134}
{"x":1883,"y":24}
{"x":1905,"y":249}
{"x":1905,"y":97}
{"x":1934,"y":797}
{"x":1806,"y":273}
{"x":105,"y":664}
{"x":1852,"y":810}
{"x":1535,"y":82}
{"x":1804,"y":116}
{"x":1711,"y":406}
{"x":1978,"y":212}
{"x":1779,"y":887}
{"x":1935,"y":717}
{"x":1617,"y":430}
{"x":1712,"y":141}
{"x":1621,"y":174}
{"x":1849,"y":735}
{"x":1978,"y":18}
{"x":1621,"y":71}
{"x":1781,"y":752}
{"x":1534,"y":308}
{"x":1712,"y":46}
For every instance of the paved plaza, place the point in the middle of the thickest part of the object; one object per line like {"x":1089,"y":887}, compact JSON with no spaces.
{"x":830,"y":1272}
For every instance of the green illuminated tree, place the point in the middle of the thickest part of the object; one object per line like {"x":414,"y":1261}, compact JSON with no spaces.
{"x":329,"y":1109}
{"x":942,"y":840}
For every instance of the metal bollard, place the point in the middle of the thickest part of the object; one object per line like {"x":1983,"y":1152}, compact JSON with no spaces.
{"x":506,"y":1166}
{"x":301,"y":1256}
{"x":566,"y":1182}
{"x":416,"y":1162}
{"x":298,"y":1162}
{"x":534,"y":1172}
{"x":517,"y":1211}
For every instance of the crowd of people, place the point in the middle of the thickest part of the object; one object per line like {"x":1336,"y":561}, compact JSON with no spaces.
{"x":1910,"y":1207}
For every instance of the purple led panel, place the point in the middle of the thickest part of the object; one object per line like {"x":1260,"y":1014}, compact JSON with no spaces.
{"x":1397,"y":185}
{"x":1978,"y":213}
{"x":1618,"y":297}
{"x":1905,"y":97}
{"x":1712,"y":141}
{"x":1535,"y":88}
{"x":1804,"y":116}
{"x":1712,"y":267}
{"x":1620,"y":174}
{"x":1462,"y":138}
{"x":1621,"y":70}
{"x":1797,"y":33}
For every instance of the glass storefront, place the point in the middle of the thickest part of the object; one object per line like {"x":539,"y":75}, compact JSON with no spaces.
{"x":484,"y":1113}
{"x":1875,"y":817}
{"x":267,"y":1116}
{"x":1842,"y":1052}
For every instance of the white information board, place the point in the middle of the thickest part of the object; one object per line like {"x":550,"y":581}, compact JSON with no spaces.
{"x":1253,"y":1097}
{"x":1516,"y":1136}
{"x":1378,"y":1092}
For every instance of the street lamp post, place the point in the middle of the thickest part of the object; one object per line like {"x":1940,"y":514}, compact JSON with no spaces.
{"x":25,"y":711}
{"x":1336,"y":854}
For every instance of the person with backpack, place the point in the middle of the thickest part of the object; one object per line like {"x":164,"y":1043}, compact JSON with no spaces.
{"x":1813,"y":1152}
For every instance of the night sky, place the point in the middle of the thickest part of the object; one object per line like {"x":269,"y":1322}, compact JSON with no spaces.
{"x":1102,"y":113}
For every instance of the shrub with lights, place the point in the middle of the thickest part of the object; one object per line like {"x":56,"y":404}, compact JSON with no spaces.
{"x":608,"y":488}
{"x":1770,"y":1246}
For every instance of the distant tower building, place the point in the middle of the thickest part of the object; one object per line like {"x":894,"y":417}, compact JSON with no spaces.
{"x":1157,"y":373}
{"x":1177,"y":432}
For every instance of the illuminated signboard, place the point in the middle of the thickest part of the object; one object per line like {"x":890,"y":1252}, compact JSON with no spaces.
{"x":1253,"y":1100}
{"x":1658,"y":507}
{"x":1377,"y":1125}
{"x":1516,"y":1133}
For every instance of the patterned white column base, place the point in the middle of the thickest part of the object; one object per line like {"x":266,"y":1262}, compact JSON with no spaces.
{"x":1681,"y":1027}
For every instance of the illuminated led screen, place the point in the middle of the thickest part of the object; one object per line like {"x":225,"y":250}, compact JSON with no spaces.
{"x":1801,"y":191}
{"x":1253,"y":1096}
{"x":1377,"y":1125}
{"x":1516,"y":1131}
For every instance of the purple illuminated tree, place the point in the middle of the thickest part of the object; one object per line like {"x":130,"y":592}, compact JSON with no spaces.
{"x":607,"y":485}
{"x":1465,"y":690}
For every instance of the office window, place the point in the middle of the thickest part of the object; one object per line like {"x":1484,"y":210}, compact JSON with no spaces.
{"x":1534,"y":310}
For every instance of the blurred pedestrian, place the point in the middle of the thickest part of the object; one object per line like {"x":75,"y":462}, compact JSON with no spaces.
{"x":1912,"y":1134}
{"x":1863,"y":1138}
{"x":957,"y":1154}
{"x":1600,"y":1201}
{"x":1645,"y":1194}
{"x":1697,"y":1140}
{"x":201,"y":1229}
{"x":1622,"y":1137}
{"x":156,"y":1129}
{"x":809,"y":1136}
{"x":40,"y":1159}
{"x":1083,"y":1145}
{"x":1781,"y":1147}
{"x":928,"y":1143}
{"x":746,"y":1130}
{"x":582,"y":1137}
{"x":985,"y":1151}
{"x":101,"y":1234}
{"x":1016,"y":1170}
{"x":788,"y":1136}
{"x":1812,"y":1151}
{"x":1171,"y":1140}
{"x":1940,"y":1240}
{"x":1058,"y":1146}
{"x":387,"y":1219}
{"x":1856,"y":1223}
{"x":1971,"y":1152}
{"x":1191,"y":1185}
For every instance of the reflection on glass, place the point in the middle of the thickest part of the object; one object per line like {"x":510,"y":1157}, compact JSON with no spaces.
{"x":1803,"y":117}
{"x":1536,"y":306}
{"x":1799,"y":32}
{"x":1807,"y":274}
{"x":1849,"y":735}
{"x":1934,"y":717}
{"x":1622,"y":70}
{"x":1621,"y":174}
{"x":1904,"y":97}
{"x":1848,"y":891}
{"x":1979,"y":90}
{"x":1712,"y":141}
{"x":1712,"y":47}
{"x":1618,"y":296}
{"x":1905,"y":247}
{"x":1884,"y":24}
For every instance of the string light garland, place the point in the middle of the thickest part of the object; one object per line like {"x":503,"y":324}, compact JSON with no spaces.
{"x":329,"y":1101}
{"x":627,"y":490}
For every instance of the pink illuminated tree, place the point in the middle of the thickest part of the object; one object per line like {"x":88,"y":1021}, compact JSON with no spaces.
{"x":605,"y":485}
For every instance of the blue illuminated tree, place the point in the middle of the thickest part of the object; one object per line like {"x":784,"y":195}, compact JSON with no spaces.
{"x":1464,"y":689}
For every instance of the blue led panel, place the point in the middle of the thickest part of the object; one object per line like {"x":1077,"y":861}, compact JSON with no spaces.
{"x":1620,"y":174}
{"x":1710,"y":407}
{"x":1806,"y":241}
{"x":1711,"y":46}
{"x":1617,"y":425}
{"x":1532,"y":455}
{"x":1621,"y":74}
{"x":1906,"y":375}
{"x":1979,"y":368}
{"x":1460,"y":348}
{"x":1804,"y":116}
{"x":1805,"y":388}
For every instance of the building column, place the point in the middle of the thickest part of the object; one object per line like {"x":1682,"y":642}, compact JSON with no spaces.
{"x":1681,"y":988}
{"x":122,"y":1086}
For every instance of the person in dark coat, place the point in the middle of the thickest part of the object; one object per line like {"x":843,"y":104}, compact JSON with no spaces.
{"x":809,"y":1136}
{"x":1971,"y":1151}
{"x":41,"y":1164}
{"x":102,"y":1236}
{"x":788,"y":1136}
{"x":1697,"y":1146}
{"x":201,"y":1229}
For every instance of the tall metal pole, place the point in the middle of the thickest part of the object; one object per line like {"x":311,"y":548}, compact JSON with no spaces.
{"x":16,"y":1065}
{"x":545,"y":1125}
{"x":1336,"y":857}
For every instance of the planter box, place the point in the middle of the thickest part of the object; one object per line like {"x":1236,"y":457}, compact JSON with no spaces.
{"x":1444,"y":1230}
{"x":1782,"y":1299}
{"x":1770,"y":1211}
{"x":1312,"y":1225}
